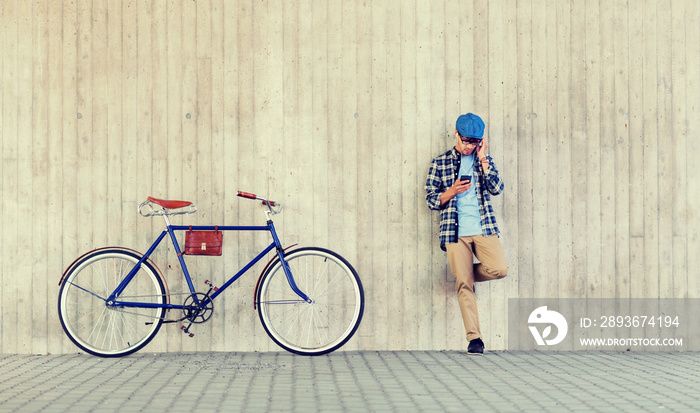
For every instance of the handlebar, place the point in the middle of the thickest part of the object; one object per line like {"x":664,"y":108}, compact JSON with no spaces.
{"x":273,"y":206}
{"x":255,"y":197}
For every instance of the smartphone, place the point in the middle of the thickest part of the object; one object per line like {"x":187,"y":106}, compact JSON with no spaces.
{"x":467,"y":178}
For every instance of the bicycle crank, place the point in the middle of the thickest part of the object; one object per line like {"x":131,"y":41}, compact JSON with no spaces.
{"x":195,"y":311}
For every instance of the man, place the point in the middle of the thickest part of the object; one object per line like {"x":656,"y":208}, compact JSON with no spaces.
{"x":460,"y":184}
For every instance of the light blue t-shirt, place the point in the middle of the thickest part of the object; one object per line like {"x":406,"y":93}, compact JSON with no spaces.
{"x":468,"y":216}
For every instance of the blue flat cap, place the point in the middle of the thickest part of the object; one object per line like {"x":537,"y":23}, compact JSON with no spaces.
{"x":470,"y":126}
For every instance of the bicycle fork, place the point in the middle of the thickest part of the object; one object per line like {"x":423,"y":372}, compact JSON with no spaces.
{"x":285,"y":266}
{"x":292,"y":284}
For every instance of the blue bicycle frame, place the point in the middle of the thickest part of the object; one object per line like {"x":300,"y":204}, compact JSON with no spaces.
{"x":170,"y":230}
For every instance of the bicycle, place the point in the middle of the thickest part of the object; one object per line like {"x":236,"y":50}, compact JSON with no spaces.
{"x":113,"y":300}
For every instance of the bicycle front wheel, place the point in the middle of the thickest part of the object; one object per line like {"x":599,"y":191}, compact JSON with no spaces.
{"x":334,"y":313}
{"x":110,"y":331}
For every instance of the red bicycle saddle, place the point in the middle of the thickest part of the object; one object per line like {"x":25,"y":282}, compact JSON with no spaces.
{"x":167,"y":204}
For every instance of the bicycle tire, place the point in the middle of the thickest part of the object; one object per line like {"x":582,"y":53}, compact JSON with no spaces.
{"x":333,"y":316}
{"x":103,"y":330}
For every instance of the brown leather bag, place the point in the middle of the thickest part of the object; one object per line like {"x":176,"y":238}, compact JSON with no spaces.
{"x":203,"y":242}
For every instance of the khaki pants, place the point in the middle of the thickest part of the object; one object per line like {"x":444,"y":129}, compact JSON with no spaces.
{"x":492,"y":266}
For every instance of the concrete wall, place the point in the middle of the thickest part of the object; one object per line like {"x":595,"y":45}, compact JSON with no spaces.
{"x":335,"y":108}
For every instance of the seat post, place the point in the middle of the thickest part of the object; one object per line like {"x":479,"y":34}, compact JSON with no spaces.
{"x":167,"y":220}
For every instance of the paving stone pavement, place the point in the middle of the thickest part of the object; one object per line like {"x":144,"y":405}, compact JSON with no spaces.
{"x":353,"y":381}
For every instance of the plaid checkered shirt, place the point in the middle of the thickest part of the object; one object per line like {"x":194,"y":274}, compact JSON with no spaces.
{"x":442,"y":175}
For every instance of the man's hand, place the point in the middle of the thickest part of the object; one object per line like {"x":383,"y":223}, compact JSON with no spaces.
{"x":481,"y":152}
{"x":458,"y":188}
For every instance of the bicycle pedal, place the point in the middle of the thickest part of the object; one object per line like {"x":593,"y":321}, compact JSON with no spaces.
{"x":207,"y":282}
{"x":186,"y":330}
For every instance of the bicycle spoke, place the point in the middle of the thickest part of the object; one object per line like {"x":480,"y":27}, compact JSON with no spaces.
{"x":102,"y":276}
{"x":322,"y":270}
{"x":88,"y":291}
{"x":327,"y":285}
{"x":107,"y":330}
{"x":318,"y":328}
{"x":308,"y":328}
{"x":124,"y":329}
{"x":99,"y":322}
{"x":328,"y":330}
{"x":298,"y":315}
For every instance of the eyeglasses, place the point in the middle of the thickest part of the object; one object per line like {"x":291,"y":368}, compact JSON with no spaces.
{"x":467,"y":141}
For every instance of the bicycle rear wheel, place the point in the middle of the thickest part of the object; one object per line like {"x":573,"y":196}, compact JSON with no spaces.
{"x":332,"y":316}
{"x":103,"y":330}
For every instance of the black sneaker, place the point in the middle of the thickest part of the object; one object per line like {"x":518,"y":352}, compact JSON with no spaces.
{"x":476,"y":346}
